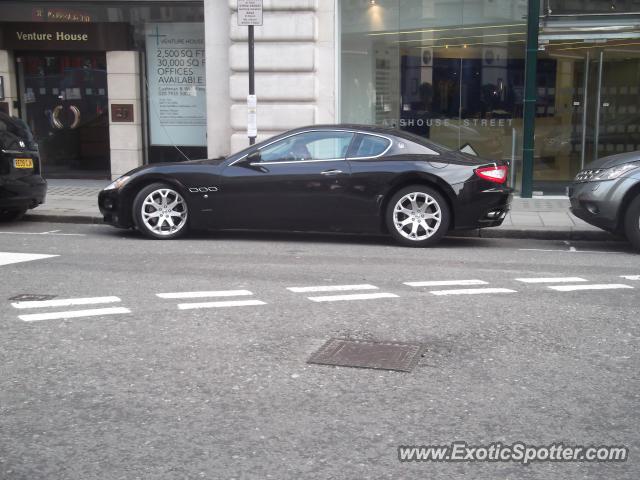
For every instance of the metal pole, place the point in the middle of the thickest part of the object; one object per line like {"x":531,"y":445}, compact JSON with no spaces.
{"x":530,"y":94}
{"x":585,"y":102}
{"x":252,"y":86}
{"x":514,"y":140}
{"x":596,"y":135}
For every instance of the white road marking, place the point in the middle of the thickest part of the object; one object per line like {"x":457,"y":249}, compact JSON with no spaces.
{"x":356,"y":296}
{"x":7,"y":258}
{"x":204,"y":294}
{"x":473,"y":291}
{"x":446,"y":283}
{"x":74,"y":314}
{"x":606,"y":286}
{"x":332,"y":288}
{"x":566,"y":251}
{"x":227,"y":303}
{"x":551,"y":280}
{"x":630,"y":277}
{"x":65,"y":302}
{"x":45,"y":233}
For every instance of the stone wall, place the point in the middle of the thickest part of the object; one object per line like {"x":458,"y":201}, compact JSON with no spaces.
{"x":295,"y":69}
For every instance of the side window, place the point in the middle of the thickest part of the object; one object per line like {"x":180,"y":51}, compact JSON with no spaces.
{"x":308,"y":146}
{"x":370,"y":146}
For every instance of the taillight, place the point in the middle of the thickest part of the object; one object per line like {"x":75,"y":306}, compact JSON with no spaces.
{"x":496,"y":174}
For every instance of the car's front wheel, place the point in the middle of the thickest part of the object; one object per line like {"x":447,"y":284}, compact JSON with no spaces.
{"x":632,"y":223}
{"x":418,"y":216}
{"x":11,"y":215}
{"x":160,"y":212}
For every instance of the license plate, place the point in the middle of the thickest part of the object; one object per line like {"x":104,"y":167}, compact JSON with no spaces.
{"x":23,"y":162}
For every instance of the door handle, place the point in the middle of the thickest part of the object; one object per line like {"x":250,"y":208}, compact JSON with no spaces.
{"x":330,"y":173}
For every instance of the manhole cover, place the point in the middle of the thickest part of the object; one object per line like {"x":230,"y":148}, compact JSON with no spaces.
{"x":397,"y":356}
{"x":31,"y":297}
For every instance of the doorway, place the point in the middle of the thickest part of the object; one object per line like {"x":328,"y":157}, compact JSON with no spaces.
{"x":588,"y":108}
{"x":64,"y":99}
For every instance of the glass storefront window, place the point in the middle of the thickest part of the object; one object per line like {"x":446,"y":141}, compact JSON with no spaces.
{"x":452,"y":72}
{"x":591,"y":7}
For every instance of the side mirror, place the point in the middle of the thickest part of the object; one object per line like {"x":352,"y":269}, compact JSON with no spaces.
{"x":253,"y":157}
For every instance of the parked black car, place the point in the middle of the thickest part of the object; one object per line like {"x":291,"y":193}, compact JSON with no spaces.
{"x":21,"y":185}
{"x":336,"y":177}
{"x":607,"y":194}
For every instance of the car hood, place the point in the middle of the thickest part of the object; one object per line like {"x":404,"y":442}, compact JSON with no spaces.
{"x":613,"y":160}
{"x":150,"y":166}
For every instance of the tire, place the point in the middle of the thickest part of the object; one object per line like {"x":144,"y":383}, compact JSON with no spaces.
{"x":632,"y":223}
{"x":11,"y":215}
{"x":425,"y":231}
{"x":155,"y":202}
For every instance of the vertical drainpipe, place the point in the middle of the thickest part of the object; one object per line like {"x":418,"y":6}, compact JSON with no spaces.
{"x":530,"y":91}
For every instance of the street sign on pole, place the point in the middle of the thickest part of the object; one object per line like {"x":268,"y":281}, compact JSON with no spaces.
{"x":249,"y":13}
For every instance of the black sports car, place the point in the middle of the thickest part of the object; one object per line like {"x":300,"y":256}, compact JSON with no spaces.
{"x":332,"y":178}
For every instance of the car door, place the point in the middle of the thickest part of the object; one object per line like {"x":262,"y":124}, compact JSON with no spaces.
{"x":299,"y":181}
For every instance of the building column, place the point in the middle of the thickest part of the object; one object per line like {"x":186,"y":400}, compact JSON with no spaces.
{"x":125,"y":137}
{"x":216,"y":25}
{"x":7,"y":71}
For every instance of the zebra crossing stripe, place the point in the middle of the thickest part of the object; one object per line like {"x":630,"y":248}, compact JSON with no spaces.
{"x":220,"y":304}
{"x":64,"y":302}
{"x":473,"y":291}
{"x":573,"y":288}
{"x":73,"y":314}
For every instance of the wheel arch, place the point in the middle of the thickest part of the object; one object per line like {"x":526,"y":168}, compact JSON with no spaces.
{"x":132,"y":189}
{"x":629,"y":197}
{"x":419,"y":178}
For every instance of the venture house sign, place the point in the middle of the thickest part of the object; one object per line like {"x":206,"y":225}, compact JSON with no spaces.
{"x":65,"y":36}
{"x":48,"y":37}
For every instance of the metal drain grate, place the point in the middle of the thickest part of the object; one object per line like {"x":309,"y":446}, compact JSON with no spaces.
{"x":31,"y":297}
{"x":398,"y":356}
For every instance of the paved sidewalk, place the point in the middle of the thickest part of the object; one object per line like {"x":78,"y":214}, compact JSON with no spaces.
{"x":75,"y":201}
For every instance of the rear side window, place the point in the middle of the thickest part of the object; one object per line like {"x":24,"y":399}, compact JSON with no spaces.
{"x":369,"y":146}
{"x":14,"y":133}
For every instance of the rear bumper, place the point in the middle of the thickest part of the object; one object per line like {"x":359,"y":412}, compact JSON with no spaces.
{"x":481,"y":205}
{"x":22,"y":192}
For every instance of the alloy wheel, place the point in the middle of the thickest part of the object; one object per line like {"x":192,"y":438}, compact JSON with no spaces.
{"x":164,"y":212}
{"x":417,"y":216}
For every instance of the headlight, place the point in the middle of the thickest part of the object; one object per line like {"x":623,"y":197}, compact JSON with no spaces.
{"x":614,"y":172}
{"x":119,"y":183}
{"x":601,"y":174}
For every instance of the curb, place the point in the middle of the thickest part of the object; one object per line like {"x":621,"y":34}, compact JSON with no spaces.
{"x":57,"y":218}
{"x":535,"y":233}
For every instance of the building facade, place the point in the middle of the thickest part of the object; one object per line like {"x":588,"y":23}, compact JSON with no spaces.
{"x":168,"y":80}
{"x":106,"y":87}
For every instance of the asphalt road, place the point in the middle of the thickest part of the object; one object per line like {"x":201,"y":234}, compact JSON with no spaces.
{"x":151,"y":390}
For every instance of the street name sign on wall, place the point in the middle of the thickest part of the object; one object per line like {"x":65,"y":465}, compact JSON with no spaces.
{"x":249,"y":13}
{"x":176,"y":75}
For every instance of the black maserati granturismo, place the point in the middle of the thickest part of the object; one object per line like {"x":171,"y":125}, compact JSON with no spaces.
{"x":348,"y":178}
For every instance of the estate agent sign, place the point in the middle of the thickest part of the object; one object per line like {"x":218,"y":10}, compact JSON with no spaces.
{"x":176,"y":74}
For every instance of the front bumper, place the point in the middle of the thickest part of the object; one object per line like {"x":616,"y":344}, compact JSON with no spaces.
{"x":22,"y":192}
{"x":113,"y":209}
{"x":598,"y":203}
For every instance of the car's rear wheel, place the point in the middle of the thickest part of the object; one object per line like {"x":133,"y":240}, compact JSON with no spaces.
{"x":417,"y":216}
{"x":11,"y":215}
{"x":160,"y":212}
{"x":632,"y":222}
